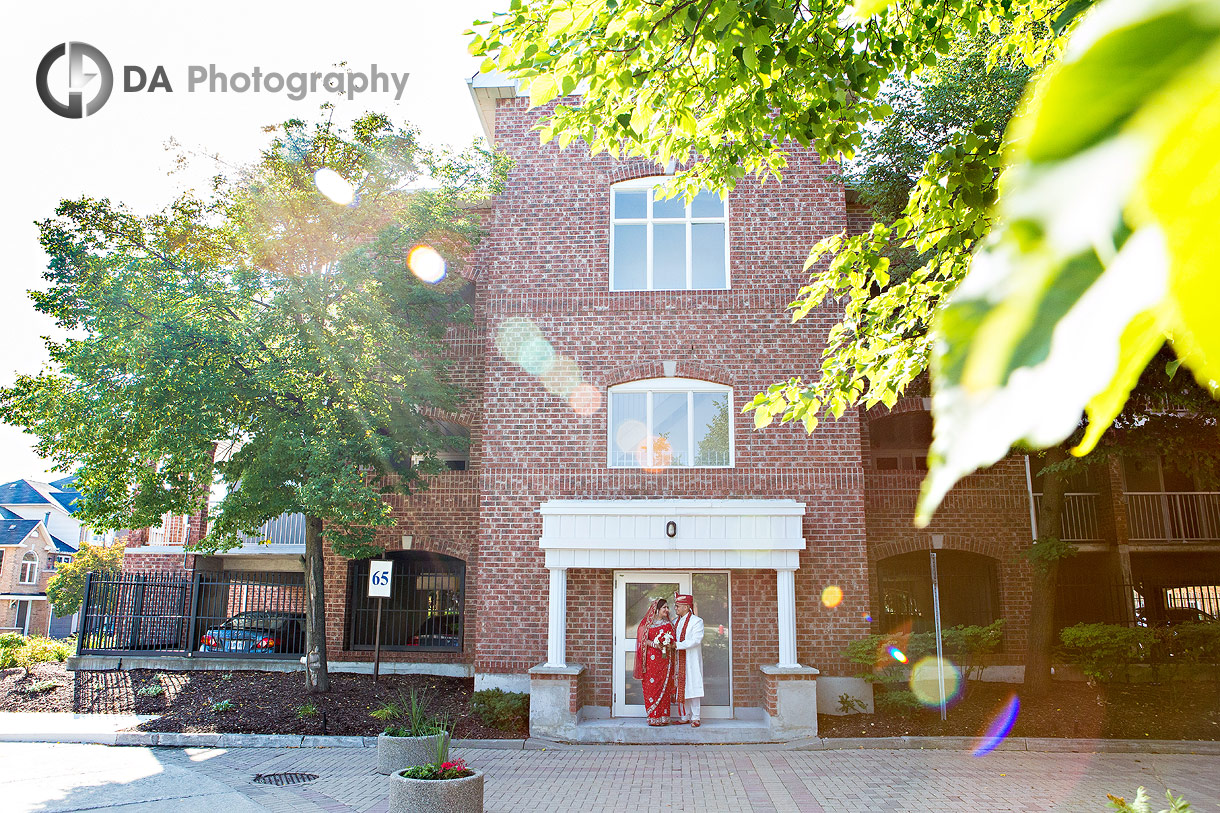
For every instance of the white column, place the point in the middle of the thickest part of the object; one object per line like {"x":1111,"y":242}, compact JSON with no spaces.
{"x":785,"y":589}
{"x":557,"y":623}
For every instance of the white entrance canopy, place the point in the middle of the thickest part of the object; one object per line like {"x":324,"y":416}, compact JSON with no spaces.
{"x":706,"y":534}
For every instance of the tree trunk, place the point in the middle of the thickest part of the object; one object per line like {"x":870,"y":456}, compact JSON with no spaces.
{"x":1040,"y":640}
{"x":317,"y":679}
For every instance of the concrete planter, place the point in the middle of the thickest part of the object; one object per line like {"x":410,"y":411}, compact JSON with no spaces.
{"x":396,"y":753}
{"x":426,"y":795}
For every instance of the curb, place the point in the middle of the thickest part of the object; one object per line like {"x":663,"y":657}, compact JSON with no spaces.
{"x":1028,"y":744}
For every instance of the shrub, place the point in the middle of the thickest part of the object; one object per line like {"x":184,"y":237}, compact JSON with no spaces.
{"x":1198,"y":642}
{"x":221,"y":706}
{"x":507,"y":711}
{"x":408,"y":717}
{"x":27,"y":652}
{"x":39,"y":686}
{"x":897,"y":701}
{"x":1142,"y":804}
{"x":152,"y":690}
{"x":964,"y":645}
{"x":1103,"y":650}
{"x":307,"y":710}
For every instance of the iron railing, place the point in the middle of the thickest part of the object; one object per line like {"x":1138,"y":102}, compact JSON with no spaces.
{"x":424,"y":611}
{"x":259,"y":614}
{"x":1079,"y":516}
{"x":1173,"y":516}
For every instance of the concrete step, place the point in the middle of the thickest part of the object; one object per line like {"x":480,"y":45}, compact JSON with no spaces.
{"x":636,"y":731}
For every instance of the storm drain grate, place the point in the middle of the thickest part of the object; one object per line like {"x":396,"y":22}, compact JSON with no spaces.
{"x":280,"y":779}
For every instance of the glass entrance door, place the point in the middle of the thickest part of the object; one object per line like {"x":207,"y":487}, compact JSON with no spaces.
{"x":633,"y":592}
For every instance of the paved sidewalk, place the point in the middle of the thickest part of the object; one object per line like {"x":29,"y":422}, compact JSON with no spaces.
{"x":16,"y":726}
{"x":44,"y":777}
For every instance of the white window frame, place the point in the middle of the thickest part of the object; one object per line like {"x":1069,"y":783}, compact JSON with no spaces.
{"x":651,"y":386}
{"x":33,"y":566}
{"x":647,"y":184}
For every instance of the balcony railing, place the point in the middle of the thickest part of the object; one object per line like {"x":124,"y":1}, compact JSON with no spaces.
{"x":1079,"y":516}
{"x":1173,"y":516}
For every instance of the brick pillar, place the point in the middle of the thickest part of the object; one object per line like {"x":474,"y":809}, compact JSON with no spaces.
{"x":555,"y":693}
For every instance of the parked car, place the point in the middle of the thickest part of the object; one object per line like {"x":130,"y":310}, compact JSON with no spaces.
{"x":439,"y":630}
{"x":1172,"y":616}
{"x":257,"y":633}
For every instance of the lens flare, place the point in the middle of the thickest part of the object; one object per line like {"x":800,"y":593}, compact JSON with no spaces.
{"x":427,"y":263}
{"x":562,"y":378}
{"x":868,"y":618}
{"x":999,"y":728}
{"x":832,"y":594}
{"x":334,"y":186}
{"x":897,"y":654}
{"x":586,"y":400}
{"x":513,"y":334}
{"x":925,"y":680}
{"x":631,"y":435}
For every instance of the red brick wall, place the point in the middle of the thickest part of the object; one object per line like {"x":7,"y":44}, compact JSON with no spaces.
{"x":987,"y":513}
{"x":547,"y":261}
{"x":441,"y":519}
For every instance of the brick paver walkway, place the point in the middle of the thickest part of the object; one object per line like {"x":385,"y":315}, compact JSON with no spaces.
{"x":74,"y":777}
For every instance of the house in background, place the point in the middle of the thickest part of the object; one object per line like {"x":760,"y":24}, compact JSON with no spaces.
{"x":30,"y":509}
{"x":28,"y":558}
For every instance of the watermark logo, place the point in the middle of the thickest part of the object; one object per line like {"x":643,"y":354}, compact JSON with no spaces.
{"x":95,"y":81}
{"x":90,"y":80}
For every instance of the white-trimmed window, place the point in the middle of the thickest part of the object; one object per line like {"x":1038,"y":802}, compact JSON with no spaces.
{"x":670,"y":423}
{"x":666,"y":245}
{"x":29,"y":569}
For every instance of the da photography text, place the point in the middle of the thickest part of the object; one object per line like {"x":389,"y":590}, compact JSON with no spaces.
{"x":75,"y":79}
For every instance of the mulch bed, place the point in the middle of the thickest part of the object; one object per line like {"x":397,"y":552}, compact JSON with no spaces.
{"x":262,"y":702}
{"x":1184,"y":711}
{"x":271,"y":703}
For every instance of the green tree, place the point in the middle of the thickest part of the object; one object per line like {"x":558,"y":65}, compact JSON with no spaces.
{"x":265,"y":337}
{"x":66,"y":589}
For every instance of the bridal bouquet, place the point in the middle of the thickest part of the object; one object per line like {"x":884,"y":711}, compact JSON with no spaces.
{"x":667,"y":644}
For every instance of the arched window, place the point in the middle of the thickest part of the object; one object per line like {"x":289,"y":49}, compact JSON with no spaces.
{"x":969,"y":590}
{"x":424,"y":610}
{"x":29,"y":569}
{"x":670,"y":423}
{"x":900,"y":442}
{"x":666,"y":245}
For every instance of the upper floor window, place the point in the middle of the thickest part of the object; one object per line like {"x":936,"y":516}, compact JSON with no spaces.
{"x":900,"y":442}
{"x":666,"y":245}
{"x":29,"y":569}
{"x":670,"y":422}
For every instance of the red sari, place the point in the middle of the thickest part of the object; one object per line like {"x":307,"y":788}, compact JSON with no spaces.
{"x":657,"y":672}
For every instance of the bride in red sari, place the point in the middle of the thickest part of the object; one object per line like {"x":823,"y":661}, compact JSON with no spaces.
{"x":654,"y":661}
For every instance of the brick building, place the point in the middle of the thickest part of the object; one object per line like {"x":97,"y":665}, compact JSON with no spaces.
{"x":618,"y":337}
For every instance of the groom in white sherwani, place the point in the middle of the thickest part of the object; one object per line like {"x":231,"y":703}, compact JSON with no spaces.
{"x":689,"y":677}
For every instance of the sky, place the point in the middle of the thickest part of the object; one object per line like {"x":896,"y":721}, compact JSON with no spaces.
{"x":120,"y":152}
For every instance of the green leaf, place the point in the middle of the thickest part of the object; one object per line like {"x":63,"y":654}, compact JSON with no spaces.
{"x":542,"y":89}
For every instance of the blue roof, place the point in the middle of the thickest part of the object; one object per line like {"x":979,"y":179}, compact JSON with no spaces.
{"x":69,"y":499}
{"x":19,"y":492}
{"x":13,"y":531}
{"x":7,"y":514}
{"x":62,"y":546}
{"x":66,"y":483}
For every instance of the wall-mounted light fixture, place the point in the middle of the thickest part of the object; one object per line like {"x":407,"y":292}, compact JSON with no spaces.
{"x":671,"y":529}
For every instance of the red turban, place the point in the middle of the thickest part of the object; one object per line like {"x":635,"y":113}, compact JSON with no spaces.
{"x":683,"y":598}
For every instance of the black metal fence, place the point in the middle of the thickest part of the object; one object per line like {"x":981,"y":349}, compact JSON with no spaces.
{"x":1143,"y":603}
{"x":213,"y":613}
{"x":424,"y":611}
